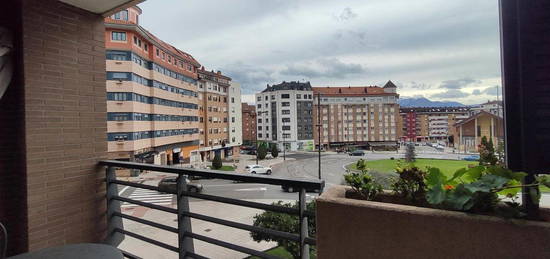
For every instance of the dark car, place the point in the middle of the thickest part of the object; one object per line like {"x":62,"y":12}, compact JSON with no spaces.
{"x":357,"y":153}
{"x":169,"y":185}
{"x":287,"y":188}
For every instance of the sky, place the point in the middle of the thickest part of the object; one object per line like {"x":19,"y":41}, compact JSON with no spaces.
{"x":439,"y":49}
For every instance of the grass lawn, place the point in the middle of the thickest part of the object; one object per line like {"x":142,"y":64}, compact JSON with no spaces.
{"x":280,"y":252}
{"x":227,"y":168}
{"x":448,"y":167}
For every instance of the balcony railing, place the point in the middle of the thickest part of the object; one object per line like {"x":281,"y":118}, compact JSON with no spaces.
{"x":184,"y":231}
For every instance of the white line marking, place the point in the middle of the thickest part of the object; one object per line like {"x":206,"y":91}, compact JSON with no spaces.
{"x":123,"y":189}
{"x":251,"y":189}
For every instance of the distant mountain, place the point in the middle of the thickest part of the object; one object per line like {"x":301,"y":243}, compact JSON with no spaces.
{"x":423,"y":102}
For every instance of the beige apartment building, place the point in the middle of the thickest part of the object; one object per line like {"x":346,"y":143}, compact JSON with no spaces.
{"x":214,"y":116}
{"x":356,"y":116}
{"x":152,"y":100}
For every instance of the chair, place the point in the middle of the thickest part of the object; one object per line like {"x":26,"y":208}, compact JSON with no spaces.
{"x":3,"y":241}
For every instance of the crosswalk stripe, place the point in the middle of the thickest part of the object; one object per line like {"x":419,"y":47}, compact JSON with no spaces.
{"x":149,"y":196}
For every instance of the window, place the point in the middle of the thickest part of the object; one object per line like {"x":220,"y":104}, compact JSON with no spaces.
{"x":233,"y":119}
{"x":145,"y":46}
{"x":266,"y":97}
{"x":122,"y":15}
{"x":478,"y":130}
{"x":119,"y":36}
{"x":259,"y":98}
{"x":286,"y":119}
{"x":273,"y":97}
{"x":259,"y":128}
{"x":158,"y":52}
{"x":232,"y":99}
{"x":259,"y":105}
{"x":266,"y":127}
{"x":285,"y":104}
{"x":285,"y":96}
{"x":285,"y":111}
{"x":259,"y":120}
{"x":298,"y":96}
{"x":135,"y":40}
{"x":286,"y":127}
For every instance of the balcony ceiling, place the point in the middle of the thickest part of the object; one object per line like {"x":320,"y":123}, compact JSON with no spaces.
{"x":103,"y":7}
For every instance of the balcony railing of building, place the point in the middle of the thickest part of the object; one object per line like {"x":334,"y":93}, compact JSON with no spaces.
{"x":184,"y":231}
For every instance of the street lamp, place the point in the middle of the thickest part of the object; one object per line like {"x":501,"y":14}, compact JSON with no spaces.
{"x":319,"y":125}
{"x":284,"y":144}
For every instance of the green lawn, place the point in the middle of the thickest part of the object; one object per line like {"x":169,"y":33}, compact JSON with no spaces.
{"x":227,"y":168}
{"x":280,"y":252}
{"x":448,"y":167}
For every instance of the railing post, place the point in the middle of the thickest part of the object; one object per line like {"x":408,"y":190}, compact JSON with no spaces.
{"x":184,"y":223}
{"x":113,"y":238}
{"x":304,"y":248}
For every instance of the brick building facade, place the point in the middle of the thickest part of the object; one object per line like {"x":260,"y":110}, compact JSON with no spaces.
{"x":249,"y":123}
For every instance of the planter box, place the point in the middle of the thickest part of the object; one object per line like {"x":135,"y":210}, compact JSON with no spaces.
{"x":349,"y":228}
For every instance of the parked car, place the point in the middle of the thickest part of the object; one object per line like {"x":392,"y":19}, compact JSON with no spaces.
{"x":357,"y":153}
{"x":169,"y":185}
{"x":471,"y":158}
{"x":257,"y":169}
{"x":287,"y":188}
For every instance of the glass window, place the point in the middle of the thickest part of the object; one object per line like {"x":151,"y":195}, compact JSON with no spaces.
{"x":119,"y":36}
{"x":285,"y":104}
{"x":285,"y":96}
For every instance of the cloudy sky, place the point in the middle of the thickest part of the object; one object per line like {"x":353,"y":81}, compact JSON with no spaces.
{"x":439,"y":49}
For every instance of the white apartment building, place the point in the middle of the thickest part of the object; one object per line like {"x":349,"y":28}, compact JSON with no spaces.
{"x":235,"y":118}
{"x":284,"y":115}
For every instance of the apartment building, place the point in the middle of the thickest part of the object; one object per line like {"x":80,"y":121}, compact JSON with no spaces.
{"x":248,"y":115}
{"x":363,"y":116}
{"x":235,"y":119}
{"x":152,"y":100}
{"x":430,"y":123}
{"x":468,"y":132}
{"x":214,"y":104}
{"x":493,"y":107}
{"x":284,"y":115}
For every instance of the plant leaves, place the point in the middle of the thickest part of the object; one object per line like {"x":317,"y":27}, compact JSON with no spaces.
{"x":435,"y":195}
{"x":486,"y":183}
{"x":544,"y":180}
{"x":459,"y":173}
{"x":460,"y":198}
{"x":511,"y":192}
{"x":435,"y":177}
{"x":474,"y":173}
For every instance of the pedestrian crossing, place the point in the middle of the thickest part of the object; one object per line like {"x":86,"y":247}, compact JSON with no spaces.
{"x":149,"y":196}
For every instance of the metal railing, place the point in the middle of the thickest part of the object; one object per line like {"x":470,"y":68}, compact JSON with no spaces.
{"x":185,"y":247}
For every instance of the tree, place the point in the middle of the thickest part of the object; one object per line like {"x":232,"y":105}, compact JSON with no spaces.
{"x":410,"y":154}
{"x":361,"y":165}
{"x":283,"y":222}
{"x":487,"y":152}
{"x":217,"y":162}
{"x":262,"y":151}
{"x":274,"y":151}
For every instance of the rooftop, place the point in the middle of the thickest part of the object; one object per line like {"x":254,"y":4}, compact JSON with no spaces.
{"x":293,"y":85}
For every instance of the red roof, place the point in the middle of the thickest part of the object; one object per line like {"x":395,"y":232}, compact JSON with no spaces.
{"x":351,"y":91}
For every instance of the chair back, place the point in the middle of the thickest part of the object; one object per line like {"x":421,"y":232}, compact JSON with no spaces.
{"x":3,"y":241}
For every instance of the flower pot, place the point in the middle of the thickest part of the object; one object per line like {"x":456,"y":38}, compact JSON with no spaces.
{"x":351,"y":228}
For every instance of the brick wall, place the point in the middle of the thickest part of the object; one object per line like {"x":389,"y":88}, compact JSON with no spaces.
{"x":65,"y":111}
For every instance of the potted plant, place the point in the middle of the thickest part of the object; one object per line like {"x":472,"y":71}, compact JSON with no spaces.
{"x":472,"y":214}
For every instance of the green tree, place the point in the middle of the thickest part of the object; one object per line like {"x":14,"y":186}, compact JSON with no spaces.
{"x":274,"y":151}
{"x":410,"y":153}
{"x":283,"y":222}
{"x":361,"y":165}
{"x":487,"y":152}
{"x":262,"y":151}
{"x":217,"y":162}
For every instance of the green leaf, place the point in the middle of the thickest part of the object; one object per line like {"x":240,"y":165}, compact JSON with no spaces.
{"x":511,"y":192}
{"x":486,"y":183}
{"x":460,"y":198}
{"x":544,"y":180}
{"x":518,"y":176}
{"x":435,"y":177}
{"x":435,"y":195}
{"x":458,"y":174}
{"x":474,"y":173}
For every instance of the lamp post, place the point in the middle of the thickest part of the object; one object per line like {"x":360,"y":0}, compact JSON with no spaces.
{"x":284,"y":143}
{"x":319,"y":129}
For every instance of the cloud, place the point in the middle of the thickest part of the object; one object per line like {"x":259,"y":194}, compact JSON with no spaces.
{"x":323,"y":68}
{"x":451,"y":93}
{"x":493,"y":90}
{"x":251,"y":78}
{"x":476,"y":92}
{"x":346,"y":14}
{"x":458,"y":83}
